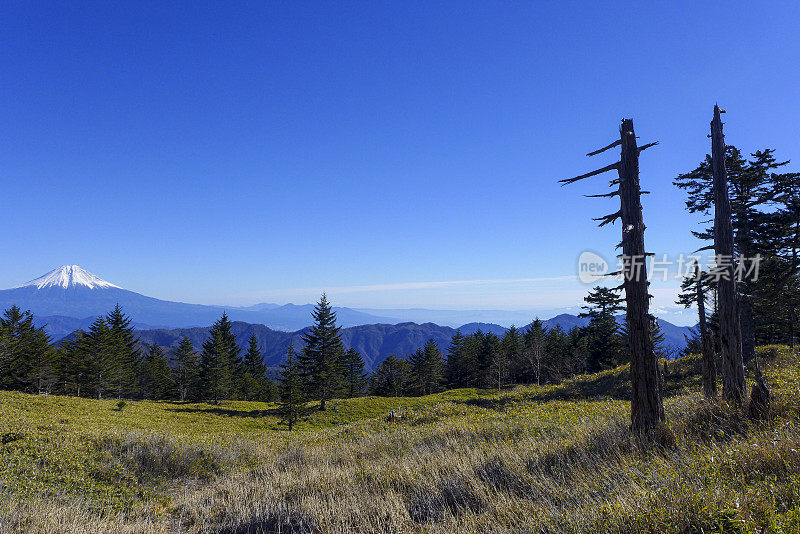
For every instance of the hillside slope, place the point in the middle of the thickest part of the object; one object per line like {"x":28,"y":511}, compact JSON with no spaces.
{"x":558,"y":457}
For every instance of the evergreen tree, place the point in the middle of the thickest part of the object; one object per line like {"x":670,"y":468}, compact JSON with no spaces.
{"x":606,"y":348}
{"x":291,"y":396}
{"x":492,"y":364}
{"x":322,"y":355}
{"x":122,"y":352}
{"x":427,"y":368}
{"x":96,"y":345}
{"x":558,"y":364}
{"x":156,"y":376}
{"x":26,"y":358}
{"x":755,"y":191}
{"x":254,"y":380}
{"x":534,"y":352}
{"x":391,"y":378}
{"x":454,"y":364}
{"x":512,"y":347}
{"x":218,"y":361}
{"x":74,"y":369}
{"x":353,"y":372}
{"x":186,"y":370}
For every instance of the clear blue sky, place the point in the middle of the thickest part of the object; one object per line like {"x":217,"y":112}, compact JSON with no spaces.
{"x":239,"y":153}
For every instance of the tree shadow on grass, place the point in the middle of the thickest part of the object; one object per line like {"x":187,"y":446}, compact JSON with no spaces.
{"x":613,"y":384}
{"x":273,"y":412}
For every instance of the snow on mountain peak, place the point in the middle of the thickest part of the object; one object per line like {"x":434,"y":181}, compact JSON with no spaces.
{"x":68,"y":276}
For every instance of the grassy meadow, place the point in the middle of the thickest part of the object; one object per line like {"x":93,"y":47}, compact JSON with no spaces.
{"x":533,"y":459}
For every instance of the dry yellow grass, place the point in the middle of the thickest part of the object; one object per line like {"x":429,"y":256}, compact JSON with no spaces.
{"x":550,"y":459}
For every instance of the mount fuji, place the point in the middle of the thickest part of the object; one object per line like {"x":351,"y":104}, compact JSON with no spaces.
{"x":69,"y":297}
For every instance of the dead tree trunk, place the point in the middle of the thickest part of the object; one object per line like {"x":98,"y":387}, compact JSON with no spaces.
{"x":709,"y":363}
{"x":647,"y":406}
{"x":733,"y":384}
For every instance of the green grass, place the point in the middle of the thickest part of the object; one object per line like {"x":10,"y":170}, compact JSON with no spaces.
{"x":549,"y":459}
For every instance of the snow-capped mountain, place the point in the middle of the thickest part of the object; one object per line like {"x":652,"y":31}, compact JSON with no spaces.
{"x":71,"y":292}
{"x":70,"y":297}
{"x":68,"y":276}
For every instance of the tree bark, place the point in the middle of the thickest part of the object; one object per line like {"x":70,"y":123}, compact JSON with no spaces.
{"x":733,"y":384}
{"x":647,"y":406}
{"x":709,"y":365}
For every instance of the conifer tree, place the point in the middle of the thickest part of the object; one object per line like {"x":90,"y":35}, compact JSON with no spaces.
{"x":96,"y":344}
{"x":512,"y":346}
{"x":391,"y":378}
{"x":74,"y":365}
{"x":454,"y":362}
{"x":534,"y":351}
{"x":186,"y":370}
{"x":156,"y":376}
{"x":26,"y":357}
{"x":427,"y":368}
{"x":254,"y":379}
{"x":353,"y":373}
{"x":320,"y":360}
{"x":123,"y":354}
{"x":606,"y":347}
{"x":291,"y":395}
{"x":218,"y":361}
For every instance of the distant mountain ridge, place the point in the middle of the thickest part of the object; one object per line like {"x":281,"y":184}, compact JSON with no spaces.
{"x":374,"y":341}
{"x":71,"y":291}
{"x":70,"y":298}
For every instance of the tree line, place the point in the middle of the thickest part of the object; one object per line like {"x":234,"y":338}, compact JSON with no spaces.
{"x":108,"y":361}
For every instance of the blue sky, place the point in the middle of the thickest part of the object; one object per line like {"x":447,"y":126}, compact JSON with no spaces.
{"x":263,"y":151}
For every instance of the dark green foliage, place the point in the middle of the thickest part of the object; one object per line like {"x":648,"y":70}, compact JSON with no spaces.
{"x":511,"y":345}
{"x":27,"y":362}
{"x":765,"y":214}
{"x":291,"y":390}
{"x":534,"y":353}
{"x":605,"y":346}
{"x":320,"y":360}
{"x":122,"y":352}
{"x":254,"y":377}
{"x":427,"y":369}
{"x":462,"y":364}
{"x":73,"y":366}
{"x":219,"y":362}
{"x":392,"y":378}
{"x":96,"y":345}
{"x":186,"y":371}
{"x":353,"y":374}
{"x":156,"y":378}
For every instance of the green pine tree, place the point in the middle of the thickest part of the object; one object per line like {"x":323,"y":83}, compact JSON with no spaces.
{"x":322,"y":355}
{"x":454,"y":363}
{"x":291,"y":395}
{"x":254,"y":378}
{"x":607,"y":348}
{"x":156,"y":376}
{"x":26,"y":357}
{"x":391,"y":378}
{"x":123,"y":353}
{"x":353,"y":373}
{"x":96,"y":345}
{"x":186,"y":370}
{"x":218,"y":361}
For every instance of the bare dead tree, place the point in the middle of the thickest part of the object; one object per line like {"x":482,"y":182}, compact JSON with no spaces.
{"x":709,"y":363}
{"x":647,"y":405}
{"x":733,"y":384}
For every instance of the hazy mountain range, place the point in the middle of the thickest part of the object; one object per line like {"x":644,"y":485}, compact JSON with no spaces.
{"x":70,"y":298}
